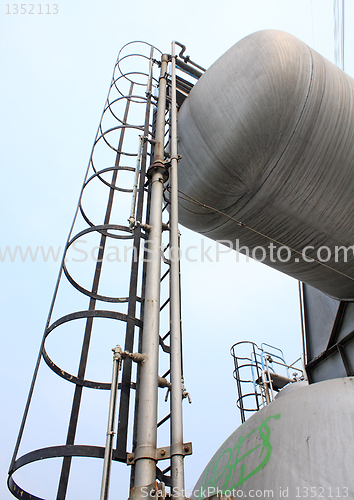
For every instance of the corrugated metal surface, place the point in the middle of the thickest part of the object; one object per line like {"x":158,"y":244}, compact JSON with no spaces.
{"x":329,"y":334}
{"x":320,"y":315}
{"x":267,"y":137}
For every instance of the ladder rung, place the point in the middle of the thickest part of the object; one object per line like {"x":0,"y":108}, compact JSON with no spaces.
{"x":164,"y":276}
{"x":163,"y":420}
{"x":167,"y":334}
{"x":166,"y":261}
{"x":165,"y":304}
{"x":165,"y":348}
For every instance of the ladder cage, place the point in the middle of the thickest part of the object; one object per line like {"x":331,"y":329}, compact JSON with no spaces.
{"x":260,"y":372}
{"x":98,"y":302}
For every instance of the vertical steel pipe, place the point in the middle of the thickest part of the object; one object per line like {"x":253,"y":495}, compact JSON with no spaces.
{"x":145,"y":451}
{"x":110,"y":427}
{"x":177,"y":462}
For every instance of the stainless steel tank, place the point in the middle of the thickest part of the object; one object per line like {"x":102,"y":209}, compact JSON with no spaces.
{"x":267,"y":138}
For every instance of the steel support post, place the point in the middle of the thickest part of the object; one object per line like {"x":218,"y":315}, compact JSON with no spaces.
{"x":145,"y":451}
{"x":177,"y":461}
{"x":110,"y":428}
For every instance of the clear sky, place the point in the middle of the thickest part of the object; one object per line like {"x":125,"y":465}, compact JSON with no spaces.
{"x":56,"y":69}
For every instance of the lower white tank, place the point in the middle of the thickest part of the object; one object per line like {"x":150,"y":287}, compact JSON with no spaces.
{"x":267,"y":137}
{"x":299,"y":446}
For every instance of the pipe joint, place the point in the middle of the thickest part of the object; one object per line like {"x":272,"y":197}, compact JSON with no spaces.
{"x":158,"y":167}
{"x":136,"y":223}
{"x":119,"y":354}
{"x":163,"y":382}
{"x":138,"y":492}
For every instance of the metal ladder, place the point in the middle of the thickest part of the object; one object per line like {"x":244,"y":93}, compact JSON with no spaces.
{"x":260,"y":373}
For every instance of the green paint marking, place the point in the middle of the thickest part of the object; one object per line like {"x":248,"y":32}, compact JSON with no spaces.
{"x":233,"y":473}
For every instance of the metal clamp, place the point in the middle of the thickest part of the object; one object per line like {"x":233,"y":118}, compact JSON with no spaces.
{"x":185,"y":393}
{"x":177,"y":158}
{"x":157,"y":454}
{"x":163,"y":382}
{"x":119,"y":354}
{"x":136,"y":223}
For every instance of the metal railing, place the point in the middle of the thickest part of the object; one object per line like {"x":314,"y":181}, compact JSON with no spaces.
{"x":260,"y":372}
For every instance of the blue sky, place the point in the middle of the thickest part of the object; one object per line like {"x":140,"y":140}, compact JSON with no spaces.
{"x":56,"y":70}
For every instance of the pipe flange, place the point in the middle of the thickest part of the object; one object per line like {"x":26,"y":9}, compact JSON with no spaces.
{"x":158,"y":167}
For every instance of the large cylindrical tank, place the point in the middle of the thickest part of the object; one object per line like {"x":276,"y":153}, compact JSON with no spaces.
{"x":267,"y":138}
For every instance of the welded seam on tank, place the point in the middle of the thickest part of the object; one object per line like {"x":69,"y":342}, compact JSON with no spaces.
{"x":280,"y":156}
